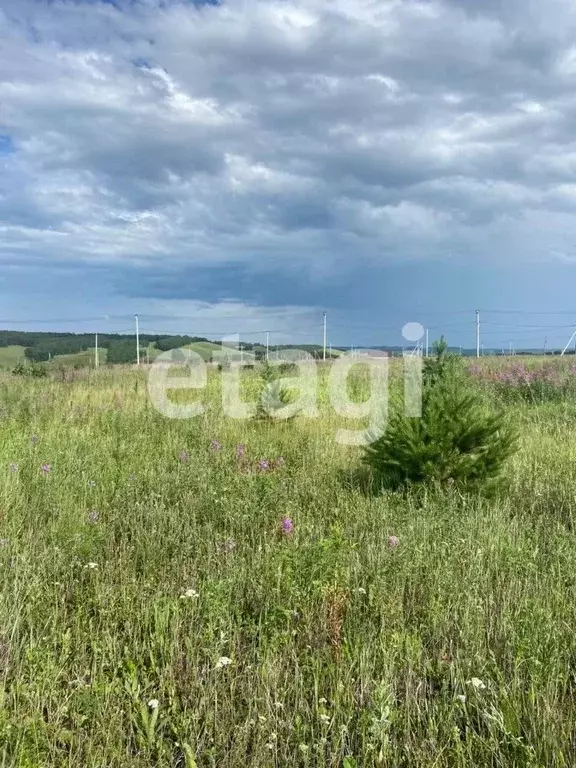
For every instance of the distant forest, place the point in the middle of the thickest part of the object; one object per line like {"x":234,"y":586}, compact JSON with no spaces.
{"x":41,"y":346}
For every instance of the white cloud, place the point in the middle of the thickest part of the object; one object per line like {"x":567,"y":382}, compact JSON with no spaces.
{"x":293,"y":134}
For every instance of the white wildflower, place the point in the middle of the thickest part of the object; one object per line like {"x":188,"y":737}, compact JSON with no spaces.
{"x":325,"y":718}
{"x":223,"y":661}
{"x":477,"y":683}
{"x":190,"y":594}
{"x":91,"y":566}
{"x":461,"y":698}
{"x":361,"y":591}
{"x":153,"y":703}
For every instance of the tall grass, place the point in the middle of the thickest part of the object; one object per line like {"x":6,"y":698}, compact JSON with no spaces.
{"x":148,"y":563}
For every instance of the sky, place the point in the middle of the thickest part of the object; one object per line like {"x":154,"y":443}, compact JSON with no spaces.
{"x":246,"y":165}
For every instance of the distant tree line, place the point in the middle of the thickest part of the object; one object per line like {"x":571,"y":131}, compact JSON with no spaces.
{"x":41,"y":346}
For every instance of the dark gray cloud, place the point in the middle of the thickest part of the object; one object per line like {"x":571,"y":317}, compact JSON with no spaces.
{"x":274,"y":148}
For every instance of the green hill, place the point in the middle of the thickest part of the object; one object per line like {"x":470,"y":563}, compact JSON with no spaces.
{"x":9,"y":356}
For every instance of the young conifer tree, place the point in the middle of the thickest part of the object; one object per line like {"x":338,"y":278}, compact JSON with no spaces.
{"x":458,"y":440}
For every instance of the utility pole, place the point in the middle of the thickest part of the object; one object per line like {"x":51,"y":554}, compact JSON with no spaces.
{"x":545,"y":346}
{"x":324,"y":338}
{"x":477,"y":333}
{"x":137,"y":340}
{"x":330,"y":348}
{"x":96,"y":361}
{"x":427,"y":347}
{"x":267,"y":345}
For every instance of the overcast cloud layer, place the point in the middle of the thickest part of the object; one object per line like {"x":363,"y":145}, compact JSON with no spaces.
{"x":268,"y":160}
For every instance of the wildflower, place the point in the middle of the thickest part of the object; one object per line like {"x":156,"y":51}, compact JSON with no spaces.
{"x":264,"y":465}
{"x":461,"y":698}
{"x":91,"y":566}
{"x":93,"y":516}
{"x":393,"y":541}
{"x":46,"y":468}
{"x":303,"y":748}
{"x":184,"y":457}
{"x":322,"y":700}
{"x":325,"y":719}
{"x":92,"y":484}
{"x":223,"y":661}
{"x":240,"y":451}
{"x":361,"y":591}
{"x":280,"y":461}
{"x":34,"y":439}
{"x":153,"y":703}
{"x":475,"y":682}
{"x":287,"y":526}
{"x":132,"y":477}
{"x":190,"y":594}
{"x":262,"y":719}
{"x":216,"y":445}
{"x":14,"y":467}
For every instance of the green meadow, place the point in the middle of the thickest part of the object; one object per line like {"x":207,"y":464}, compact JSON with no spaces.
{"x":223,"y":593}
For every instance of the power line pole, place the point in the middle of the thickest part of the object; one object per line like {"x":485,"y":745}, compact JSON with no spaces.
{"x":324,"y":338}
{"x":545,"y":346}
{"x":137,"y":340}
{"x":427,"y":347}
{"x":96,"y":361}
{"x":267,"y":345}
{"x":477,"y":333}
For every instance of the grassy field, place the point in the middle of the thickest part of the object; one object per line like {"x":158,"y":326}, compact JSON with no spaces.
{"x":157,"y":610}
{"x":10,"y":356}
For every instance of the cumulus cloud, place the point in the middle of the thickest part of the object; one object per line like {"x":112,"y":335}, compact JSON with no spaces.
{"x":283,"y":142}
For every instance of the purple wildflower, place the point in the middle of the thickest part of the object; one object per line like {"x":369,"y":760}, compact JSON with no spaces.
{"x":240,"y":451}
{"x":264,"y":465}
{"x":393,"y":541}
{"x":46,"y":468}
{"x":287,"y":526}
{"x":93,"y":516}
{"x":216,"y":445}
{"x":184,"y":457}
